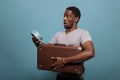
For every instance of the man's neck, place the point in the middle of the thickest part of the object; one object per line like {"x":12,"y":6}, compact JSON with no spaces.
{"x":71,"y":29}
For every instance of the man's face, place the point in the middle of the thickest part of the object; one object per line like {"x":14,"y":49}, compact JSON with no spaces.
{"x":69,"y":19}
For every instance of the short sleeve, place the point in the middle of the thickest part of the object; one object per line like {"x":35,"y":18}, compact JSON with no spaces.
{"x":85,"y":36}
{"x":53,"y":40}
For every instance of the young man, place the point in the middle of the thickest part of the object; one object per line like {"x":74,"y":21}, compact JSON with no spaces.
{"x":72,"y":35}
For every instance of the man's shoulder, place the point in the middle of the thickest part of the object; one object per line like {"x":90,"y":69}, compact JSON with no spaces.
{"x":82,"y":30}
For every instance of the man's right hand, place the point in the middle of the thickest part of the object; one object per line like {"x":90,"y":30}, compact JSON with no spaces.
{"x":36,"y":41}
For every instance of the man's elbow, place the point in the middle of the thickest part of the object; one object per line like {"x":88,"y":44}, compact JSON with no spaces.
{"x":92,"y":54}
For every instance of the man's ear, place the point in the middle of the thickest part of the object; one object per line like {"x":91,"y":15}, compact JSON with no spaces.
{"x":76,"y":19}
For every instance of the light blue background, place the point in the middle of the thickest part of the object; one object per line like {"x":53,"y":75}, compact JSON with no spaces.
{"x":18,"y":18}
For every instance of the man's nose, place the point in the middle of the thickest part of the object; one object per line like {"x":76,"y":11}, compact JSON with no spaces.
{"x":65,"y":18}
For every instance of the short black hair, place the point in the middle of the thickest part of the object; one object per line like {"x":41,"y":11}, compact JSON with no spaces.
{"x":75,"y":11}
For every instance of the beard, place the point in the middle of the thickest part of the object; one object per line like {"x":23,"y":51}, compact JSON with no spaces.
{"x":67,"y":27}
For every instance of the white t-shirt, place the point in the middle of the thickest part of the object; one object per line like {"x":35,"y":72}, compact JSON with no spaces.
{"x":75,"y":37}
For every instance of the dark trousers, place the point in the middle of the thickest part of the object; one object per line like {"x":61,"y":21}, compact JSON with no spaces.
{"x":68,"y":77}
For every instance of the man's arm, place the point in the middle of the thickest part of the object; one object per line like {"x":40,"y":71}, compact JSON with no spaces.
{"x":87,"y":53}
{"x":84,"y":55}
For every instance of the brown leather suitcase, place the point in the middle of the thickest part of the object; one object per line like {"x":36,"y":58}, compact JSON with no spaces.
{"x":46,"y":51}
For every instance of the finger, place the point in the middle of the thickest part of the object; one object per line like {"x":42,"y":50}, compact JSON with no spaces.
{"x":37,"y":42}
{"x":53,"y":65}
{"x":54,"y":58}
{"x":33,"y":38}
{"x":56,"y":69}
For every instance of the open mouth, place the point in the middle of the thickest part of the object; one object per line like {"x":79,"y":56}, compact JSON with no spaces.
{"x":65,"y":23}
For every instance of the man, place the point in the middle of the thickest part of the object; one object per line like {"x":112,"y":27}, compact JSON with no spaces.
{"x":72,"y":35}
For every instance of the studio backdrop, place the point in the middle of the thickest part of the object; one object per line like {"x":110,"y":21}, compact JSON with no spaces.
{"x":18,"y":18}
